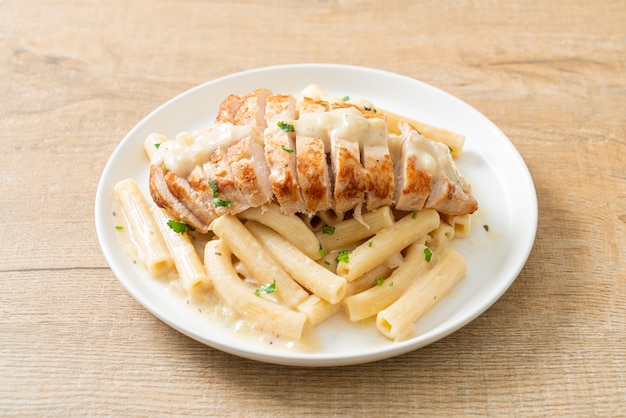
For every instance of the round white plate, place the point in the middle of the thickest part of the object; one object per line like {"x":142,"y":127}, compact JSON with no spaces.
{"x":500,"y":179}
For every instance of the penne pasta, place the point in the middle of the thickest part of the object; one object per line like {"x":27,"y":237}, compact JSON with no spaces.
{"x":462,"y":225}
{"x":330,"y":217}
{"x":395,"y":321}
{"x":369,"y":302}
{"x":151,"y":144}
{"x":453,"y":140}
{"x":388,"y":242}
{"x":439,"y":239}
{"x":351,"y":231}
{"x":143,"y":230}
{"x":264,"y":313}
{"x":368,"y":280}
{"x":318,"y":310}
{"x":257,"y":259}
{"x":190,"y":269}
{"x":289,"y":226}
{"x":306,"y":272}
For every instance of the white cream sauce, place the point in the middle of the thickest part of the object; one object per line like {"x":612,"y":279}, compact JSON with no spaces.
{"x":187,"y":151}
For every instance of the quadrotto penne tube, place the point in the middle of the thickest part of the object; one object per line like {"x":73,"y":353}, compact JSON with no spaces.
{"x":143,"y":230}
{"x":269,"y":316}
{"x":189,"y":266}
{"x":369,"y":302}
{"x":308,"y":273}
{"x":396,"y":320}
{"x":257,"y":259}
{"x":388,"y":242}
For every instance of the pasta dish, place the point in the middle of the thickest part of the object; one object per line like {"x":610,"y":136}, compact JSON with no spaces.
{"x":291,"y":210}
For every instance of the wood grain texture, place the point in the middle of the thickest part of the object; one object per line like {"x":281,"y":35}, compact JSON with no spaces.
{"x":76,"y":76}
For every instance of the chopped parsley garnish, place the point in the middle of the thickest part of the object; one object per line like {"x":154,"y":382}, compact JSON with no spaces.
{"x":285,"y":126}
{"x":345,"y":98}
{"x":287,"y":149}
{"x":327,"y":262}
{"x":321,"y":250}
{"x":217,"y":202}
{"x":119,"y":227}
{"x":370,"y":243}
{"x":414,"y":215}
{"x":157,"y":146}
{"x":450,"y":148}
{"x":266,"y":289}
{"x":379,"y":281}
{"x":328,"y":230}
{"x":179,"y":227}
{"x":390,"y":284}
{"x":427,"y":254}
{"x":163,"y":167}
{"x":343,"y":257}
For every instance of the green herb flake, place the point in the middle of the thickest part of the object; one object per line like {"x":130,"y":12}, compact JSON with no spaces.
{"x":119,"y":227}
{"x":287,"y":149}
{"x":266,"y":289}
{"x":370,"y":243}
{"x":157,"y":146}
{"x":379,"y":281}
{"x":327,"y":262}
{"x":217,"y":202}
{"x":163,"y":167}
{"x":450,"y":148}
{"x":345,"y":98}
{"x":321,"y":250}
{"x":329,"y":230}
{"x":285,"y":126}
{"x":390,"y":284}
{"x":414,"y":215}
{"x":427,"y":254}
{"x":179,"y":227}
{"x":343,"y":257}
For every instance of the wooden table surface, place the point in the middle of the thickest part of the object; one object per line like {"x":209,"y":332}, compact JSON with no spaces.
{"x":76,"y":76}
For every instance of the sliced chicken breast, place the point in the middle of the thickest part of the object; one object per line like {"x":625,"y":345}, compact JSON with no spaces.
{"x":414,"y":170}
{"x":250,"y":171}
{"x":378,"y":165}
{"x":450,"y":193}
{"x":218,"y":173}
{"x":348,"y":174}
{"x":280,"y":153}
{"x":227,"y":110}
{"x":251,"y":109}
{"x":164,"y":198}
{"x":313,"y":173}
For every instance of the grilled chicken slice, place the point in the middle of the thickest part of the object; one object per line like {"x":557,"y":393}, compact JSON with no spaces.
{"x":280,"y":147}
{"x":414,"y":168}
{"x":163,"y":197}
{"x":229,"y":198}
{"x":313,"y":173}
{"x":250,"y":171}
{"x":450,"y":194}
{"x":227,"y":110}
{"x":251,"y":109}
{"x":378,"y":165}
{"x":348,"y":174}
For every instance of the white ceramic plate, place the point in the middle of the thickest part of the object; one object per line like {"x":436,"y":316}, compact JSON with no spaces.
{"x":500,"y":179}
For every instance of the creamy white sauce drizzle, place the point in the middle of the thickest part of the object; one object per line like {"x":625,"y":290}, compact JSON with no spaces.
{"x":188,"y":150}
